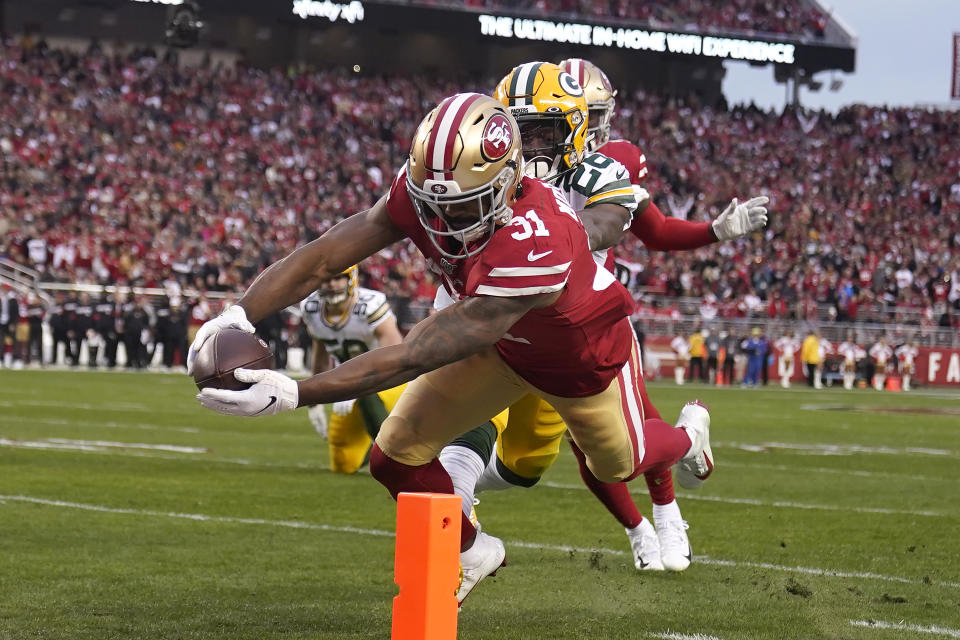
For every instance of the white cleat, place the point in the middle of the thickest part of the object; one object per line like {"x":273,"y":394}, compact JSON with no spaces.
{"x":695,"y":467}
{"x":479,"y":561}
{"x":675,"y":550}
{"x":646,"y":547}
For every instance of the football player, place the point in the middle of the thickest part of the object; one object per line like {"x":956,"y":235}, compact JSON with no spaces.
{"x":551,"y":109}
{"x":534,"y":314}
{"x":346,"y":320}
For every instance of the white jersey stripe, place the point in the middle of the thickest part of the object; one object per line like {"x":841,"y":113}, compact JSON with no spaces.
{"x":487,"y":290}
{"x":514,"y":272}
{"x":443,"y":133}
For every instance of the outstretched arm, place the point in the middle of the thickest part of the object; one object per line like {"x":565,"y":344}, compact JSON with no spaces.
{"x":457,"y":332}
{"x":293,"y":278}
{"x":660,"y":233}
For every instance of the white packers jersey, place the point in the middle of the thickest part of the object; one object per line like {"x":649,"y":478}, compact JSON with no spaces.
{"x":599,"y":179}
{"x":352,"y":334}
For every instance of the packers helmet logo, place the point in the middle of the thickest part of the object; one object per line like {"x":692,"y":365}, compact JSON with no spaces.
{"x":569,"y":84}
{"x":497,"y":137}
{"x":439,"y":189}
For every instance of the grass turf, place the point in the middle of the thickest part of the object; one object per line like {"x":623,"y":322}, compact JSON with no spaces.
{"x":832,"y":515}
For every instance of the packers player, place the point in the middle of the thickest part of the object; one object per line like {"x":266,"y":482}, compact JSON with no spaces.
{"x":344,"y":321}
{"x":555,"y":114}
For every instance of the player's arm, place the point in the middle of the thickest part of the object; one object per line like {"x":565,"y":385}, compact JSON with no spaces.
{"x":457,"y":332}
{"x":660,"y":233}
{"x":294,"y":277}
{"x":604,"y":224}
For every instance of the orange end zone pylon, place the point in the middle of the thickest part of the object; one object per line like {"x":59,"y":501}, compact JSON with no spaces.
{"x":427,"y":566}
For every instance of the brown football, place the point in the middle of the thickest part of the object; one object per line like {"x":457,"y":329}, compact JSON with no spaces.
{"x":226,"y":350}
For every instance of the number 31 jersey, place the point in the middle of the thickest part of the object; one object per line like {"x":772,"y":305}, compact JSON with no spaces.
{"x":348,"y":336}
{"x":572,"y":348}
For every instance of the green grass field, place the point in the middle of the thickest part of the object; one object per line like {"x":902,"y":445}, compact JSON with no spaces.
{"x":128,"y":511}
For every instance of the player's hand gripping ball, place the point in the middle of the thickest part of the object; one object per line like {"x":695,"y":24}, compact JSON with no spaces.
{"x":226,"y":350}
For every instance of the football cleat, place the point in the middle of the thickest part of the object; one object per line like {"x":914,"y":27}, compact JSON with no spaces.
{"x":479,"y":561}
{"x":697,"y":465}
{"x":675,"y":550}
{"x":646,"y":547}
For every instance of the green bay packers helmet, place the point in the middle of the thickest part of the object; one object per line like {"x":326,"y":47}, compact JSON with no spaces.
{"x":463,"y":171}
{"x":551,"y":111}
{"x":338,"y":294}
{"x":600,"y":96}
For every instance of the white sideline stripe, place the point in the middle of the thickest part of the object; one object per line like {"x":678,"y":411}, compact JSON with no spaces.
{"x":133,"y":408}
{"x":176,"y":448}
{"x":109,"y":406}
{"x":776,"y":503}
{"x":111,"y":424}
{"x":850,"y":472}
{"x":87,"y":448}
{"x":672,"y":635}
{"x":25,"y":444}
{"x":294,"y":524}
{"x":101,"y":446}
{"x":818,"y":448}
{"x":880,"y":624}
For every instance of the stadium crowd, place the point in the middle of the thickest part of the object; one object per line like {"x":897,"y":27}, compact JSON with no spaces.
{"x":126,"y":169}
{"x":782,"y":17}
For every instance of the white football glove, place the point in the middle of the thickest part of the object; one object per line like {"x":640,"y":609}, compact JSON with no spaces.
{"x":740,"y":219}
{"x":272,"y":392}
{"x":234,"y":317}
{"x":318,"y":418}
{"x":343,"y":407}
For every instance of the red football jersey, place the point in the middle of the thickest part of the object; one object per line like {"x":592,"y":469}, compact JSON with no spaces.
{"x":577,"y":345}
{"x":629,"y":155}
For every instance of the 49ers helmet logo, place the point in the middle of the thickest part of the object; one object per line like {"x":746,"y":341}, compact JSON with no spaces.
{"x":497,"y":137}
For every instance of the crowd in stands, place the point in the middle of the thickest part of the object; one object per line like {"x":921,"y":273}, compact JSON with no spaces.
{"x":782,"y":17}
{"x":125,"y":169}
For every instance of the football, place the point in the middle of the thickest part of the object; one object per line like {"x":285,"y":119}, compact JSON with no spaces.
{"x":226,"y":350}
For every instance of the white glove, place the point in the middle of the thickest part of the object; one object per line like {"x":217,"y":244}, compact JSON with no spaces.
{"x":343,"y":407}
{"x":271,"y":393}
{"x":318,"y":418}
{"x":233,"y":318}
{"x":740,"y":219}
